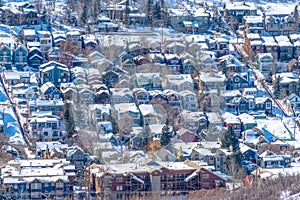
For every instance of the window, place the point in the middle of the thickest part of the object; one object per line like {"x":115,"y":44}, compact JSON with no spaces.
{"x":119,"y":179}
{"x":35,"y":186}
{"x":119,"y":188}
{"x":205,"y":176}
{"x":59,"y":185}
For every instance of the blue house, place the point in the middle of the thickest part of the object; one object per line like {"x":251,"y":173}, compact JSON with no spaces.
{"x":20,"y":57}
{"x":49,"y":91}
{"x":35,"y":57}
{"x":54,"y":72}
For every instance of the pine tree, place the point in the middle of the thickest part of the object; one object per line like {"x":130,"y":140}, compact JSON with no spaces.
{"x":146,"y":136}
{"x":84,"y":14}
{"x":69,"y":120}
{"x":166,"y":136}
{"x":276,"y":87}
{"x":230,"y":139}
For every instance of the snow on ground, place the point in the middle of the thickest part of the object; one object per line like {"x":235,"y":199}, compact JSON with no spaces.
{"x":11,"y":126}
{"x":294,"y":169}
{"x":275,"y":126}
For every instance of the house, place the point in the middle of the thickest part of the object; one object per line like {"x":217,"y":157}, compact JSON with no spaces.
{"x":31,"y":179}
{"x":248,"y":121}
{"x":254,"y":24}
{"x":271,"y":46}
{"x":141,"y":96}
{"x":264,"y":104}
{"x":102,"y":97}
{"x":180,"y":82}
{"x":189,"y":100}
{"x":234,"y":12}
{"x":15,"y":77}
{"x":265,"y":63}
{"x":105,"y":127}
{"x":20,"y":57}
{"x":276,"y":161}
{"x":110,"y":78}
{"x":250,"y":92}
{"x":126,"y":60}
{"x":157,"y":97}
{"x":58,"y":38}
{"x":231,"y":120}
{"x":248,"y":153}
{"x":194,"y":121}
{"x":221,"y":159}
{"x":187,"y":136}
{"x":148,"y":115}
{"x":46,"y":127}
{"x":54,"y":72}
{"x":238,"y":81}
{"x":99,"y":113}
{"x":164,"y":155}
{"x":76,"y":156}
{"x":51,"y":149}
{"x":173,"y":62}
{"x":49,"y":91}
{"x":6,"y":56}
{"x":238,"y":104}
{"x":25,"y":92}
{"x":121,"y":95}
{"x":86,"y":96}
{"x":35,"y":57}
{"x":148,"y":81}
{"x":212,"y":81}
{"x":281,"y":24}
{"x":56,"y":106}
{"x":153,"y":176}
{"x":173,"y":99}
{"x":288,"y":83}
{"x":285,"y":48}
{"x":129,"y":109}
{"x":294,"y":100}
{"x":45,"y":39}
{"x":69,"y":91}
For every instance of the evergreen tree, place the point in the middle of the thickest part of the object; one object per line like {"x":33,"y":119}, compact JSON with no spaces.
{"x":276,"y":87}
{"x":146,"y":136}
{"x":230,"y":139}
{"x":166,"y":136}
{"x":149,"y":11}
{"x":69,"y":120}
{"x":84,"y":14}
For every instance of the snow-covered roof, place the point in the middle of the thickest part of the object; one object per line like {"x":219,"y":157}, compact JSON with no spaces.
{"x":126,"y":107}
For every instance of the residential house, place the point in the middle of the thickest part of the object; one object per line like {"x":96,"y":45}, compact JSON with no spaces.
{"x":148,"y":115}
{"x":265,"y":63}
{"x":180,"y":82}
{"x":285,"y":48}
{"x":188,"y":64}
{"x":121,"y":95}
{"x":288,"y":83}
{"x":254,"y":24}
{"x":189,"y":100}
{"x":20,"y":57}
{"x":58,"y":38}
{"x":173,"y":62}
{"x":173,"y":99}
{"x":276,"y":161}
{"x":294,"y":100}
{"x":149,"y":81}
{"x":46,"y":128}
{"x":281,"y":24}
{"x":85,"y":95}
{"x":126,"y":61}
{"x":212,"y":81}
{"x":187,"y":136}
{"x":110,"y":78}
{"x":250,"y":92}
{"x":234,"y":12}
{"x":271,"y":46}
{"x":157,"y":97}
{"x":56,"y":106}
{"x":25,"y":92}
{"x":99,"y":113}
{"x":105,"y":128}
{"x":194,"y":121}
{"x":141,"y":96}
{"x":221,"y":160}
{"x":248,"y":153}
{"x":74,"y":38}
{"x":129,"y":109}
{"x":264,"y":104}
{"x":248,"y":121}
{"x":49,"y":91}
{"x":69,"y":91}
{"x":52,"y":149}
{"x":37,"y":178}
{"x":231,"y":120}
{"x":15,"y":77}
{"x":238,"y":104}
{"x":238,"y":81}
{"x":45,"y":39}
{"x":102,"y":97}
{"x":76,"y":156}
{"x":35,"y":57}
{"x":54,"y":72}
{"x":6,"y":56}
{"x":153,"y":176}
